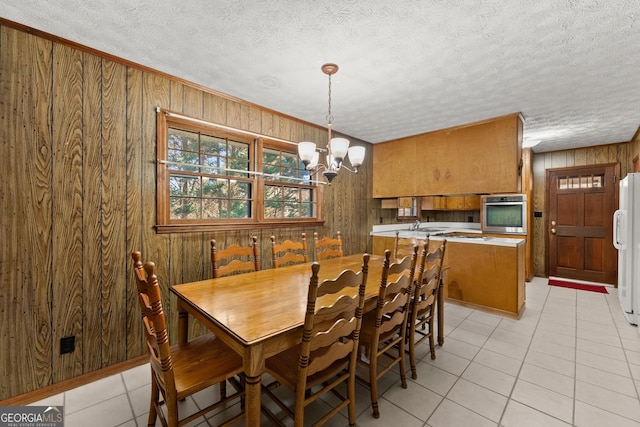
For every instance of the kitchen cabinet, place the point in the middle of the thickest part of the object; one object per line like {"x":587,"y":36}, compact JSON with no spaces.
{"x":389,"y":203}
{"x":450,"y":203}
{"x":395,"y":165}
{"x":486,"y":275}
{"x":483,"y":157}
{"x":433,"y":203}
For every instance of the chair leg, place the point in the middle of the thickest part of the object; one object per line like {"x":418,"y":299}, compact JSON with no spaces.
{"x":412,"y":352}
{"x":373,"y":383}
{"x":431,"y":340}
{"x":351,"y":394}
{"x":403,"y":374}
{"x":223,"y":390}
{"x":172,"y":413}
{"x":153,"y":414}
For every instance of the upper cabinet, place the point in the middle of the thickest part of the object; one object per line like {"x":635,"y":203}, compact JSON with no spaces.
{"x":478,"y":158}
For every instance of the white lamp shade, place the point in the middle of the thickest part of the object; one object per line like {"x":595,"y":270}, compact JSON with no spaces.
{"x":356,"y":155}
{"x":306,"y":151}
{"x":314,"y":161}
{"x":339,"y":147}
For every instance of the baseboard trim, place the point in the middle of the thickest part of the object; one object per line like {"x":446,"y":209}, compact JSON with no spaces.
{"x":53,"y":389}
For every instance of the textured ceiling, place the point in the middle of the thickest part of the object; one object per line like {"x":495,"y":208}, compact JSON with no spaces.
{"x":571,"y":67}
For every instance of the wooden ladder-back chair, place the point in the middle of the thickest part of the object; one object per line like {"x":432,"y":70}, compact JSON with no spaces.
{"x":328,"y":247}
{"x":235,"y":259}
{"x":180,"y":371}
{"x":327,"y":355}
{"x":289,"y":252}
{"x":422,"y":315}
{"x":384,"y":329}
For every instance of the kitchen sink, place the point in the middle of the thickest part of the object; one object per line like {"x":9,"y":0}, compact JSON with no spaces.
{"x":465,"y":236}
{"x":430,"y":230}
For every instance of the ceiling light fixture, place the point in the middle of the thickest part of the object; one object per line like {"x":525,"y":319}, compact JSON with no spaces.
{"x":337,"y":148}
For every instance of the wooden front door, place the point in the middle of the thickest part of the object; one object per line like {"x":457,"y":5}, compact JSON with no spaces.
{"x":580,"y":226}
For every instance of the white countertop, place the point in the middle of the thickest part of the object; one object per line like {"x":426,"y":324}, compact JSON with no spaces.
{"x":435,"y":231}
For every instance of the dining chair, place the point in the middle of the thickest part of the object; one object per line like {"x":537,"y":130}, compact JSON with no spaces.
{"x":327,"y":247}
{"x":289,"y":252}
{"x":383,"y":334}
{"x":235,"y":259}
{"x":326,"y":357}
{"x":423,"y":305}
{"x":185,"y":369}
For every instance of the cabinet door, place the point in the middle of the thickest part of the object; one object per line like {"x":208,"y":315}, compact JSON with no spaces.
{"x":472,"y":203}
{"x":433,"y":203}
{"x":394,"y":165}
{"x":455,"y":203}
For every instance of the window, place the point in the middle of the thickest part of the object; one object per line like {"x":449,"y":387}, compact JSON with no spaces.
{"x":211,"y":176}
{"x":287,"y":193}
{"x":585,"y":181}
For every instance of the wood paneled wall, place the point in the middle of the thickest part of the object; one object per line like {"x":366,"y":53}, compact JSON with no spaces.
{"x":77,"y":195}
{"x":604,"y":154}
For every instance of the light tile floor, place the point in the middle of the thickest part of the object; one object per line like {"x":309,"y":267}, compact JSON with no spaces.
{"x":572,"y":359}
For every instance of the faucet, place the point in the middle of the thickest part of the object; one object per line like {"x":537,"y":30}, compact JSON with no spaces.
{"x":416,"y":225}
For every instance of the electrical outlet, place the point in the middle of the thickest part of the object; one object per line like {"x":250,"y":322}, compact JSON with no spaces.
{"x":67,"y":344}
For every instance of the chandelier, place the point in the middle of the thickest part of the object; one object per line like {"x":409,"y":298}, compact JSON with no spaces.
{"x":337,"y":148}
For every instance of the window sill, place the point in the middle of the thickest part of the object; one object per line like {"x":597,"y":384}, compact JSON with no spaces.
{"x":193,"y":228}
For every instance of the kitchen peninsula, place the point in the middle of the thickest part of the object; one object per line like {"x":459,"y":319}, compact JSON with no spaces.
{"x":484,"y":270}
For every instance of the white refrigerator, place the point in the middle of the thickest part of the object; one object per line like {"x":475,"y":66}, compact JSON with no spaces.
{"x":626,"y":238}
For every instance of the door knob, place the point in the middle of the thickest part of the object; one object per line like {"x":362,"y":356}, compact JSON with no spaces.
{"x":553,"y":230}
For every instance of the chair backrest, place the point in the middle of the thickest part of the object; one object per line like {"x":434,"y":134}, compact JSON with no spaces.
{"x":289,"y":252}
{"x":235,"y":259}
{"x":327,"y":247}
{"x":331,"y":333}
{"x":155,"y":324}
{"x":394,"y":296}
{"x":428,"y":280}
{"x":403,"y":246}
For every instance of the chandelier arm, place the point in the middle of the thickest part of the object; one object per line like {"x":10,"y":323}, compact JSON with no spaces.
{"x":355,"y":170}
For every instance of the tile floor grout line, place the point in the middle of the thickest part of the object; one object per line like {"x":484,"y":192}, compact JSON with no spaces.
{"x":517,"y":376}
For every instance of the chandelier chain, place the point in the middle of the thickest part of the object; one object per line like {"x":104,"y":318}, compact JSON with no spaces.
{"x":329,"y":116}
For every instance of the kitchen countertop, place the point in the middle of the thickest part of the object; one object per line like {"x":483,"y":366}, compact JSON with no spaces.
{"x":441,"y":230}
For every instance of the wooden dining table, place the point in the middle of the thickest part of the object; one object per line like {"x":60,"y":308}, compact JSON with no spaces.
{"x":261,"y":313}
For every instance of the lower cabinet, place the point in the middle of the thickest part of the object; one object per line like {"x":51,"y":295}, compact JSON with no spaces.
{"x":486,"y":275}
{"x":490,"y":276}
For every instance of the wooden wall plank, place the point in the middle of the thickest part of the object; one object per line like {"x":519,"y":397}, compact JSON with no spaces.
{"x":67,"y":208}
{"x":114,"y":198}
{"x":25,"y":267}
{"x":155,"y":247}
{"x":92,"y":326}
{"x":134,"y":182}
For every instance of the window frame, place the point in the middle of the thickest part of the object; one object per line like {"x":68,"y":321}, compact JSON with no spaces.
{"x":257,"y":143}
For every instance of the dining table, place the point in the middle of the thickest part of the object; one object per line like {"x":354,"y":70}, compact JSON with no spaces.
{"x":261,"y":313}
